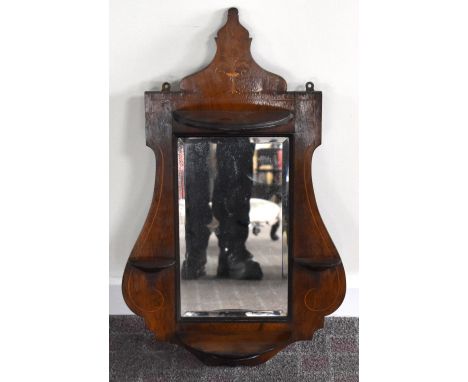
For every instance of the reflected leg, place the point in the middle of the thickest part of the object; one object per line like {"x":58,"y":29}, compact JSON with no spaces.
{"x":231,"y":207}
{"x":197,"y":209}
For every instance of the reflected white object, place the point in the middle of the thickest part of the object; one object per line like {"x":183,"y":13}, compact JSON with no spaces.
{"x":261,"y":211}
{"x":235,"y":313}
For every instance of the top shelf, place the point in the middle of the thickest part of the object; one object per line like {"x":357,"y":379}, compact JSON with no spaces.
{"x":233,"y":120}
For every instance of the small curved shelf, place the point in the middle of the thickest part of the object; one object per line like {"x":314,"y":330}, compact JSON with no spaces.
{"x":221,"y":358}
{"x":151,"y":265}
{"x":317,"y":265}
{"x":234,"y":348}
{"x":229,"y":120}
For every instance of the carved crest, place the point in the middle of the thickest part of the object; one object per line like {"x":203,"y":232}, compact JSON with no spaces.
{"x":233,"y":69}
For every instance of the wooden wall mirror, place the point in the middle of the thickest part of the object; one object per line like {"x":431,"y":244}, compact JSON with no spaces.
{"x":233,"y":262}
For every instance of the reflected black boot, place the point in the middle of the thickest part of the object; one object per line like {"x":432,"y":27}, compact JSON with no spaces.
{"x":239,"y":265}
{"x":192,"y":271}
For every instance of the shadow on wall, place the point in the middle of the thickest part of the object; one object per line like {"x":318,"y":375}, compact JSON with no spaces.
{"x":132,"y":172}
{"x":132,"y":163}
{"x":331,"y":172}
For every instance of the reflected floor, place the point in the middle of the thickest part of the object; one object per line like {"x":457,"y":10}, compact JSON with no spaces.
{"x":210,"y":293}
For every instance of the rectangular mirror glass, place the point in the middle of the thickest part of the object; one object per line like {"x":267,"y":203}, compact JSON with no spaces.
{"x":233,"y":226}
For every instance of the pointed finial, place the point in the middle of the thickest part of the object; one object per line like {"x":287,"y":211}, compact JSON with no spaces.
{"x":233,"y":29}
{"x":233,"y":12}
{"x":233,"y":70}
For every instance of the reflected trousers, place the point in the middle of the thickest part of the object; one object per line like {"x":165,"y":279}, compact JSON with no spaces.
{"x":231,"y":195}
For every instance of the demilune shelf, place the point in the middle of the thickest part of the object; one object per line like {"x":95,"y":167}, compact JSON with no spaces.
{"x":229,"y":119}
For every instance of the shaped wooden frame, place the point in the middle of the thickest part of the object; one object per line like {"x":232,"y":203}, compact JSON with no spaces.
{"x":234,"y":96}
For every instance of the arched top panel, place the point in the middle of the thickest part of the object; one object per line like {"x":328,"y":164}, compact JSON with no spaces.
{"x":233,"y":69}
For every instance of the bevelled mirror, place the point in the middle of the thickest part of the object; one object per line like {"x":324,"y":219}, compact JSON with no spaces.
{"x":233,"y":236}
{"x":233,"y":262}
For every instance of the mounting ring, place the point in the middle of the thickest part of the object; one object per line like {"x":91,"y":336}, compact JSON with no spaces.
{"x":310,"y":86}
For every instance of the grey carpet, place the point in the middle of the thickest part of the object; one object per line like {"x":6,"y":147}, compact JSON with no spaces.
{"x":332,"y":355}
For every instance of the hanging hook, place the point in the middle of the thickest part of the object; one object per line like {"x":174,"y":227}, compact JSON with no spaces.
{"x":166,"y":87}
{"x":309,"y":86}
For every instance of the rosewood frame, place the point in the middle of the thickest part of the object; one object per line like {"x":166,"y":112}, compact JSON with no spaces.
{"x":233,"y":96}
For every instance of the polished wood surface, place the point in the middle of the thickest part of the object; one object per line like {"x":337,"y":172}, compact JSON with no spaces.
{"x":233,"y":121}
{"x":232,"y":83}
{"x":233,"y":70}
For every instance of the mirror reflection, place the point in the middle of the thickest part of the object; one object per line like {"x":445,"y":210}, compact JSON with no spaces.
{"x":233,"y":219}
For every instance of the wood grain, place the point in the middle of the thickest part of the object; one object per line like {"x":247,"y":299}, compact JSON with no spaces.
{"x":231,"y":83}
